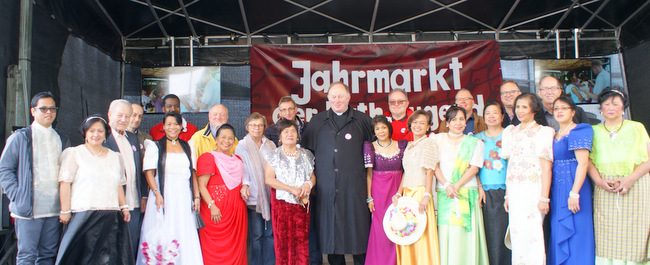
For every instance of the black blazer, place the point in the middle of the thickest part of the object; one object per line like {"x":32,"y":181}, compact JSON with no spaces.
{"x":140,"y":180}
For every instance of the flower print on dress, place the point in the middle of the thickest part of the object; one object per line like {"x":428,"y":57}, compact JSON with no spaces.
{"x":494,"y":155}
{"x":498,"y":165}
{"x":487,"y":164}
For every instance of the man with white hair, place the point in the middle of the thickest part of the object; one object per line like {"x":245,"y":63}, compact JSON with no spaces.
{"x":204,"y":140}
{"x":126,"y":143}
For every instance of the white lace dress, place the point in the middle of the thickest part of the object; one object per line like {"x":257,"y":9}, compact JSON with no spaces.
{"x":176,"y":221}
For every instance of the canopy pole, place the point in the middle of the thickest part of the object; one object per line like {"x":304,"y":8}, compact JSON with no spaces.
{"x":191,"y":51}
{"x":173,"y":47}
{"x":575,"y":41}
{"x":24,"y":89}
{"x":557,"y":43}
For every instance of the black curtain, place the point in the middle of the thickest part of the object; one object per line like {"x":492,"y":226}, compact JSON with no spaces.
{"x":637,"y":63}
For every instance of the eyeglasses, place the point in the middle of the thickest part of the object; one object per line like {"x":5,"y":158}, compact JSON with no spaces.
{"x":256,"y":125}
{"x":464,"y":99}
{"x":511,"y":92}
{"x":548,"y":88}
{"x":287,"y":110}
{"x":397,"y":102}
{"x":46,"y":109}
{"x":561,"y":108}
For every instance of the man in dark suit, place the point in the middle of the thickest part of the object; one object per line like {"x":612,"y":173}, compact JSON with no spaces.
{"x":125,"y":142}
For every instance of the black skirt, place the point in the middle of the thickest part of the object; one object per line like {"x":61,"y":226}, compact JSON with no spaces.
{"x":96,"y":237}
{"x":495,"y":220}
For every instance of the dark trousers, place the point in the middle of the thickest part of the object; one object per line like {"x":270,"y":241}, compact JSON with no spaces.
{"x":260,"y":233}
{"x":315,"y":256}
{"x":134,"y":228}
{"x":38,"y":240}
{"x":336,"y":259}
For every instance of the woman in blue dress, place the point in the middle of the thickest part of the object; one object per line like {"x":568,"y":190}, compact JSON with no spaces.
{"x":572,"y":229}
{"x":493,"y":179}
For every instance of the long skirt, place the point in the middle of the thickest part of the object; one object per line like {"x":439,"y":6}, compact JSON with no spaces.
{"x":425,"y":250}
{"x":457,"y":244}
{"x":622,"y":224}
{"x":96,"y":237}
{"x":495,"y":220}
{"x":381,"y":250}
{"x":571,"y":240}
{"x":290,"y":232}
{"x":526,"y":232}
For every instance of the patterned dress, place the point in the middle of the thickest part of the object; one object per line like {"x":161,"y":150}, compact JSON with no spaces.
{"x":572,"y":235}
{"x":386,"y":177}
{"x":621,"y":222}
{"x":495,"y":217}
{"x":523,"y":148}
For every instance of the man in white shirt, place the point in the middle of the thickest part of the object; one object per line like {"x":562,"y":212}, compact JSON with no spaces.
{"x":126,"y":143}
{"x":29,"y":175}
{"x":603,"y":80}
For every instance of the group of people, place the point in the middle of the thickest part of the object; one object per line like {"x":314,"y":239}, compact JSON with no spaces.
{"x":296,"y":190}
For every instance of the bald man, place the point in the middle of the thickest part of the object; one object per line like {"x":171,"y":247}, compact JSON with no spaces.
{"x":509,"y":92}
{"x":204,"y":140}
{"x":475,"y":123}
{"x":549,"y":90}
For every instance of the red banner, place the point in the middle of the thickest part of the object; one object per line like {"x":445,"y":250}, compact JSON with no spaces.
{"x":430,"y":73}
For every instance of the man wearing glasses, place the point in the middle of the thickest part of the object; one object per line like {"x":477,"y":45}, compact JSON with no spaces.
{"x":475,"y":123}
{"x":399,"y":113}
{"x":509,"y":92}
{"x":29,"y":175}
{"x":288,"y":110}
{"x":549,"y":90}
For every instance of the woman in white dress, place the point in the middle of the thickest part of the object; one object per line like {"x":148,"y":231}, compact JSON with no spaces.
{"x":169,"y":221}
{"x":91,"y":184}
{"x":529,"y":150}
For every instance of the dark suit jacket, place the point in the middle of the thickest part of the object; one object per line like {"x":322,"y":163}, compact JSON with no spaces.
{"x":140,"y":180}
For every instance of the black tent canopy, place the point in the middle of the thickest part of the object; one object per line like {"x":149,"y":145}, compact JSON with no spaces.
{"x":524,"y":28}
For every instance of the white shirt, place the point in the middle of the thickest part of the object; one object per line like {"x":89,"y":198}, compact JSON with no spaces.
{"x":126,"y":149}
{"x":46,"y":150}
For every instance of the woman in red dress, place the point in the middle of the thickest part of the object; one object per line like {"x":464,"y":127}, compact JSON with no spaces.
{"x":223,"y":239}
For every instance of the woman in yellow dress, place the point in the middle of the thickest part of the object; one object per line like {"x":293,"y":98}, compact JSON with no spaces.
{"x":419,"y":161}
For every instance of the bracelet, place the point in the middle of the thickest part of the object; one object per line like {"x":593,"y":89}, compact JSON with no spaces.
{"x":126,"y":206}
{"x":398,"y":195}
{"x":369,"y":200}
{"x":66,"y":212}
{"x":426,"y":194}
{"x":210,"y":204}
{"x":574,"y":195}
{"x":546,"y":200}
{"x":197,"y":198}
{"x":155,"y":191}
{"x":505,"y":197}
{"x":125,"y":209}
{"x":444,"y":187}
{"x":311,"y":186}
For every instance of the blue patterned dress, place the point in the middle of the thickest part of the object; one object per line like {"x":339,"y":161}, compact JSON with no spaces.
{"x":572,"y":235}
{"x":495,"y":217}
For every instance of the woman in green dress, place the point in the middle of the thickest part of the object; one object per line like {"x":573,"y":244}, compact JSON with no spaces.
{"x":619,"y":166}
